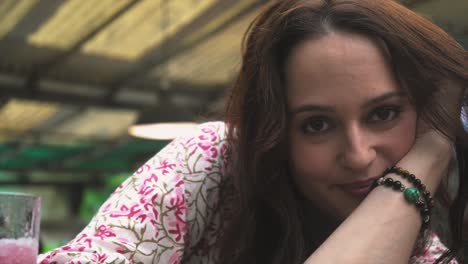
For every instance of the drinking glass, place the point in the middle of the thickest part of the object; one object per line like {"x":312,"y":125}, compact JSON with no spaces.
{"x":19,"y":228}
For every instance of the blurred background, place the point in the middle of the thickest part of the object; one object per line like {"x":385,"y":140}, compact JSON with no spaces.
{"x":76,"y":75}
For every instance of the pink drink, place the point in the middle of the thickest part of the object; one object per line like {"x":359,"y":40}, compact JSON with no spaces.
{"x":18,"y":251}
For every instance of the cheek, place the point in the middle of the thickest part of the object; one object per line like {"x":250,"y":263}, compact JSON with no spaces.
{"x":400,"y":139}
{"x":311,"y":163}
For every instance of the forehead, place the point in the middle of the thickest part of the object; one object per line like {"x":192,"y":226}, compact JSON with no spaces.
{"x":337,"y":65}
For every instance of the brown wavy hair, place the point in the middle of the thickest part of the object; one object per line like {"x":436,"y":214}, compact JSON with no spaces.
{"x":267,"y":220}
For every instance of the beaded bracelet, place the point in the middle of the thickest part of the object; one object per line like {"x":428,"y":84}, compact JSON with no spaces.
{"x":412,"y":196}
{"x":415,"y":181}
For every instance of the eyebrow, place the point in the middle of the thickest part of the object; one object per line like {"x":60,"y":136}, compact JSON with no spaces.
{"x":325,"y":108}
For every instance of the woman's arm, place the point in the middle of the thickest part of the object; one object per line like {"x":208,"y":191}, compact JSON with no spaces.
{"x":384,"y":227}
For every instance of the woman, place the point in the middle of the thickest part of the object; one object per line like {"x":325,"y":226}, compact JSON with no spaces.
{"x":329,"y":94}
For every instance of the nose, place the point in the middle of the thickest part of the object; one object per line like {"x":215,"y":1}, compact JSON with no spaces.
{"x":358,"y":152}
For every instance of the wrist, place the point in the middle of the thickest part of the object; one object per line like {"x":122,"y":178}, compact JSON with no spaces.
{"x":428,"y":160}
{"x":416,"y":193}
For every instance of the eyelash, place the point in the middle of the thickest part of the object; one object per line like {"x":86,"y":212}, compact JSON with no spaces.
{"x":396,"y":111}
{"x":308,"y":121}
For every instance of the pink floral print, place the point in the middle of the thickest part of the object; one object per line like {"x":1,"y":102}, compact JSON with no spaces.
{"x":168,"y":210}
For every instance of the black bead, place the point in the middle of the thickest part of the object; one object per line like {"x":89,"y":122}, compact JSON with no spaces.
{"x":431,"y":203}
{"x":426,"y":219}
{"x":388,"y":182}
{"x":423,"y":187}
{"x":412,"y":177}
{"x":387,"y":171}
{"x":396,"y":185}
{"x":426,"y":211}
{"x":417,"y":182}
{"x":419,"y":204}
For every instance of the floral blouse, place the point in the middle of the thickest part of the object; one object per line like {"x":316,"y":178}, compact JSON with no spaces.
{"x":168,"y":211}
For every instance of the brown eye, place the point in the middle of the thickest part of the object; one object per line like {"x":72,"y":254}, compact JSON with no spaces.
{"x":315,"y":125}
{"x":384,"y":114}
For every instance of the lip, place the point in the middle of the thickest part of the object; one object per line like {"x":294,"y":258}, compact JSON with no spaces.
{"x":358,"y":189}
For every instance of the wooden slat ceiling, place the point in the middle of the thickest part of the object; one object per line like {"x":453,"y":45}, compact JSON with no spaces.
{"x":11,"y":13}
{"x":143,"y":27}
{"x":71,"y":21}
{"x":213,"y":61}
{"x":19,"y":116}
{"x":99,"y":123}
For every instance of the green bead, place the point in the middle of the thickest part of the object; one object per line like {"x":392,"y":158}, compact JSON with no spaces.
{"x":411,"y":195}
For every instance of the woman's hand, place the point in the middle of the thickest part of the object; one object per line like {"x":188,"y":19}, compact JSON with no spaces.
{"x":429,"y":157}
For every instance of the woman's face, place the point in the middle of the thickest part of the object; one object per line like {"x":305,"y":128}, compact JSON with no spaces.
{"x":349,"y":119}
